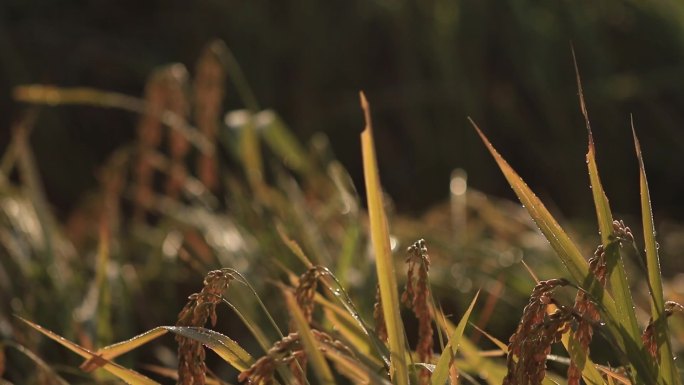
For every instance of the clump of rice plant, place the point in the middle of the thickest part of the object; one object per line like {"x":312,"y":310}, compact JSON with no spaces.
{"x":646,"y":360}
{"x":281,"y":259}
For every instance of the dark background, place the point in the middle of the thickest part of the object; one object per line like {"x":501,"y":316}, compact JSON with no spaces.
{"x":425,"y":66}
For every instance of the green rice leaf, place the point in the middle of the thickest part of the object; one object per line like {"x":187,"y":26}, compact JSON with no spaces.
{"x":605,"y":217}
{"x":667,"y":367}
{"x":616,"y":268}
{"x":626,"y":316}
{"x":441,"y":372}
{"x":383,"y":255}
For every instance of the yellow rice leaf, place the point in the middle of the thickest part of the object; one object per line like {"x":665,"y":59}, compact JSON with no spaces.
{"x":127,"y":375}
{"x":383,"y":255}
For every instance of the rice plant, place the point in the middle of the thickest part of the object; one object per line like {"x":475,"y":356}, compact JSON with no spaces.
{"x":290,"y":257}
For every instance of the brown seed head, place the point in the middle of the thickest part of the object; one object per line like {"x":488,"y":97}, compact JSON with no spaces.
{"x":200,"y":308}
{"x":416,"y":296}
{"x":531,"y":343}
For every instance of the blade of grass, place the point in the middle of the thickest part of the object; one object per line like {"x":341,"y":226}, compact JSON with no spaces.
{"x":441,"y":372}
{"x":566,"y":249}
{"x":603,"y":212}
{"x":383,"y":255}
{"x":293,"y":246}
{"x":611,"y":375}
{"x":345,"y":326}
{"x":499,"y":344}
{"x":473,"y":359}
{"x":225,"y":347}
{"x":112,"y":351}
{"x":314,"y":355}
{"x":667,"y":368}
{"x":334,"y":286}
{"x":127,"y":375}
{"x":263,"y":307}
{"x":252,"y":326}
{"x":263,"y":342}
{"x":618,"y":277}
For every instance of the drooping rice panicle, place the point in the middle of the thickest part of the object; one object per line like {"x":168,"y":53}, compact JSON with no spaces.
{"x":200,"y":308}
{"x":417,"y":296}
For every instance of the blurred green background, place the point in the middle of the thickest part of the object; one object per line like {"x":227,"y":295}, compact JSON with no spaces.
{"x":425,"y":66}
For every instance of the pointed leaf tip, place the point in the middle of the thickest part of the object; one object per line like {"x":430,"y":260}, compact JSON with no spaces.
{"x":364,"y":101}
{"x":580,"y":94}
{"x":366,"y":111}
{"x":637,"y":144}
{"x":482,"y":135}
